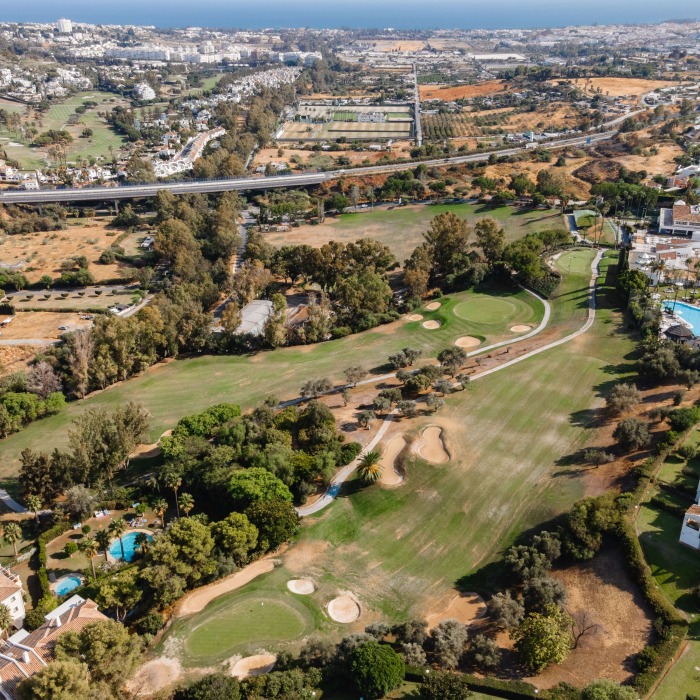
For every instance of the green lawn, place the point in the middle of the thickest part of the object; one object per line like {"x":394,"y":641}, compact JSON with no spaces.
{"x":244,"y":622}
{"x":676,"y":569}
{"x":187,"y":386}
{"x":401,"y":549}
{"x":402,"y":228}
{"x":589,"y":216}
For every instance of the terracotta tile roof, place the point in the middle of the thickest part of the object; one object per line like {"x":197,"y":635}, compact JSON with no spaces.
{"x":693,"y":510}
{"x":7,"y":591}
{"x":684,"y":212}
{"x":17,"y":663}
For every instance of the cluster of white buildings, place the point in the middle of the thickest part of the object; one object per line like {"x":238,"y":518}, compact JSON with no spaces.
{"x":144,"y":92}
{"x":185,"y":160}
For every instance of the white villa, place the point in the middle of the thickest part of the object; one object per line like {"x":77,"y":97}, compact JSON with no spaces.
{"x":682,"y":220}
{"x":12,"y":595}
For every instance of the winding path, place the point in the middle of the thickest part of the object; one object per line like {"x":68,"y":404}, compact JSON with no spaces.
{"x":342,"y":476}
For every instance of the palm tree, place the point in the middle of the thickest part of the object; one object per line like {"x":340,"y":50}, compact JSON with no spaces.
{"x":90,"y":548}
{"x":186,"y":503}
{"x":174,"y":481}
{"x":118,"y":528}
{"x":34,"y":504}
{"x":370,"y":468}
{"x":103,"y":539}
{"x":142,"y":541}
{"x":12,"y":533}
{"x":6,"y":620}
{"x":658,"y":266}
{"x":159,"y":508}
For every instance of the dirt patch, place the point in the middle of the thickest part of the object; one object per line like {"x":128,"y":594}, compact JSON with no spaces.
{"x":199,"y":599}
{"x":464,"y":607}
{"x":16,"y":358}
{"x":604,"y":591}
{"x":253,"y":665}
{"x":391,"y":477}
{"x":433,"y":306}
{"x":301,"y":586}
{"x":42,"y":325}
{"x":154,"y":676}
{"x":344,"y":609}
{"x":431,"y":325}
{"x":521,"y":328}
{"x":431,"y":446}
{"x":415,"y":317}
{"x":447,"y":93}
{"x":619,"y":87}
{"x":467,"y":341}
{"x":302,"y":556}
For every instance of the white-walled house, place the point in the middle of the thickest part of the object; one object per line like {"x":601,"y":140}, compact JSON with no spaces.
{"x":12,"y":595}
{"x":690,"y":532}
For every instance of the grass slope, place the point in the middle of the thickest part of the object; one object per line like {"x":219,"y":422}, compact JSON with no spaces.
{"x":186,"y":386}
{"x":402,"y":228}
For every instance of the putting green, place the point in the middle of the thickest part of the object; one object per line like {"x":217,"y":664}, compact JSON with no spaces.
{"x":247,"y":623}
{"x":490,"y":311}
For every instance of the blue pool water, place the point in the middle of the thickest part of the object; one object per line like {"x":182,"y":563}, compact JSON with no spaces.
{"x":130,"y":548}
{"x":688,"y":313}
{"x":66,"y":584}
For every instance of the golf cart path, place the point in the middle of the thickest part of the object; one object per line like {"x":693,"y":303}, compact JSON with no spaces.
{"x":337,"y":482}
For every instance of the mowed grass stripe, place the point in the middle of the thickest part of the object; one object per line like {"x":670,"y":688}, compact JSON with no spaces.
{"x":186,"y":386}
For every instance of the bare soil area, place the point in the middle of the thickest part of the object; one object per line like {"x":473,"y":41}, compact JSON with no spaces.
{"x":604,"y":591}
{"x":15,"y":358}
{"x":619,"y":87}
{"x":301,"y":586}
{"x":40,"y":325}
{"x":467,"y":341}
{"x":41,"y":253}
{"x":344,"y":609}
{"x":154,"y":676}
{"x":447,"y":93}
{"x":464,"y":607}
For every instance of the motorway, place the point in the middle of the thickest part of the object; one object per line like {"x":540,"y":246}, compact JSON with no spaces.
{"x":91,"y":194}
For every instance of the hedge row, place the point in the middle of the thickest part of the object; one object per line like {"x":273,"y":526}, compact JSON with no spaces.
{"x":662,"y":501}
{"x":65,"y":309}
{"x":44,"y":538}
{"x":669,"y":623}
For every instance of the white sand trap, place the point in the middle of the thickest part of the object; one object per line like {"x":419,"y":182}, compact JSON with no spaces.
{"x":520,"y":328}
{"x":431,"y":325}
{"x":433,"y":306}
{"x":390,"y":477}
{"x":154,"y":676}
{"x":464,"y":607}
{"x":344,"y":609}
{"x":467,"y":341}
{"x":301,"y":586}
{"x":254,"y":665}
{"x":415,"y":317}
{"x":431,"y":447}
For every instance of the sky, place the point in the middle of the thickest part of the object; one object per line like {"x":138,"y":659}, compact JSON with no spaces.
{"x":400,"y":14}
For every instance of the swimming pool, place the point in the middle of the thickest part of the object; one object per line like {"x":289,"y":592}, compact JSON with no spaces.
{"x":130,"y":546}
{"x":688,"y":313}
{"x":66,"y":584}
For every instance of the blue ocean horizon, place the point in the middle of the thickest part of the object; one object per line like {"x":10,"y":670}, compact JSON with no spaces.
{"x":409,"y":14}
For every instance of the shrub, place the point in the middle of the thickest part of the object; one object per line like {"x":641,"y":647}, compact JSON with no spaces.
{"x":150,"y":624}
{"x":376,"y":669}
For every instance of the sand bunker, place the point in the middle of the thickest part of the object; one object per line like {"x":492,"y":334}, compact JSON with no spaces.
{"x":154,"y":676}
{"x":431,"y":325}
{"x":415,"y":317}
{"x":464,"y":607}
{"x":390,"y":477}
{"x":433,"y":306}
{"x":344,"y":609}
{"x":467,"y":341}
{"x":301,"y":586}
{"x":520,"y":328}
{"x":430,"y":446}
{"x":254,"y":665}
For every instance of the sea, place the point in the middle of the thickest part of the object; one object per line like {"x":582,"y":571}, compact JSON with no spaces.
{"x":375,"y":14}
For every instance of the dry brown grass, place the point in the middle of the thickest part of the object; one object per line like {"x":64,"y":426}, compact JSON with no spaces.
{"x":620,"y":87}
{"x":15,"y":358}
{"x":41,"y":253}
{"x":41,"y":325}
{"x":455,"y":92}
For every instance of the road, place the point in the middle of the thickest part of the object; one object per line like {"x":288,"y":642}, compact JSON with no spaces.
{"x":345,"y":473}
{"x":91,"y":194}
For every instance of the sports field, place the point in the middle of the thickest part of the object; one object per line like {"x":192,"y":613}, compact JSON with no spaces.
{"x":403,"y":550}
{"x":402,"y":228}
{"x":179,"y":388}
